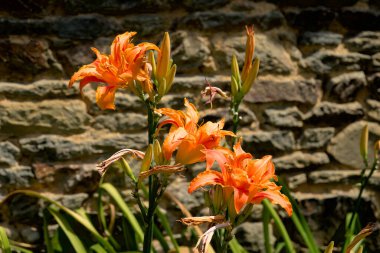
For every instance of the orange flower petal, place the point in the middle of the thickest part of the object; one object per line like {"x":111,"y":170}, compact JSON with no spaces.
{"x":218,"y":155}
{"x":240,"y":199}
{"x":209,"y":177}
{"x":105,"y":97}
{"x":190,"y":152}
{"x":276,"y":197}
{"x":172,"y":141}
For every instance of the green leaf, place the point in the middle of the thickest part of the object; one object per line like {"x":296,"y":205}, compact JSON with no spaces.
{"x":119,"y":201}
{"x":70,"y":212}
{"x":20,"y":249}
{"x":279,"y":247}
{"x":300,"y":221}
{"x":4,"y":242}
{"x":280,"y":225}
{"x":48,"y":242}
{"x":236,"y":247}
{"x":97,"y":248}
{"x":69,"y":232}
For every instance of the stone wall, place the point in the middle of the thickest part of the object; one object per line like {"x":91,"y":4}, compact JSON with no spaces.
{"x":318,"y":85}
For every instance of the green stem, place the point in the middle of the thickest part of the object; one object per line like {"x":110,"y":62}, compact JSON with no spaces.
{"x":148,"y":235}
{"x":280,"y":226}
{"x":363,"y":185}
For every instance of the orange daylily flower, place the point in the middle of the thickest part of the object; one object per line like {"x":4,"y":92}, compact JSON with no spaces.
{"x":125,"y":64}
{"x":187,"y":137}
{"x":250,"y":179}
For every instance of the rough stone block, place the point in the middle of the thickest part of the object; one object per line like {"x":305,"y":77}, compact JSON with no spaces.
{"x":360,"y":18}
{"x":284,"y":90}
{"x":299,"y":160}
{"x":121,"y":122}
{"x":316,"y":137}
{"x":344,"y":147}
{"x":324,"y":62}
{"x":328,"y":113}
{"x":16,"y":177}
{"x":346,"y":86}
{"x":366,"y":42}
{"x":263,"y":142}
{"x":9,"y":153}
{"x":311,"y":18}
{"x":374,"y":109}
{"x":284,"y":117}
{"x":49,"y":116}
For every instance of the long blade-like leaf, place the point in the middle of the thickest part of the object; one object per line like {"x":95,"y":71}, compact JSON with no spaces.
{"x":235,"y":246}
{"x":280,"y":226}
{"x":69,"y":232}
{"x":97,"y":248}
{"x":119,"y":201}
{"x":4,"y":242}
{"x":70,"y":212}
{"x":47,"y":240}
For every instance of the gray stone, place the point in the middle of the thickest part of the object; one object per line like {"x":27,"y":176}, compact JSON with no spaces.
{"x":374,"y":86}
{"x":58,"y":148}
{"x":316,"y":137}
{"x":251,"y":236}
{"x":30,"y":234}
{"x":195,"y":84}
{"x":86,"y":26}
{"x":145,"y":25}
{"x":344,"y":147}
{"x":365,"y":42}
{"x":55,"y":148}
{"x":285,"y":117}
{"x":41,"y":89}
{"x":325,"y":62}
{"x":316,"y":40}
{"x":296,"y":179}
{"x":347,"y":85}
{"x":9,"y":153}
{"x":67,"y":178}
{"x":284,"y":90}
{"x":327,"y":112}
{"x":374,"y":109}
{"x":300,"y":160}
{"x":50,"y":116}
{"x":73,"y":201}
{"x":16,"y":177}
{"x":121,"y":122}
{"x":25,"y":59}
{"x":246,"y":116}
{"x":260,"y":142}
{"x":222,"y":20}
{"x":190,"y":51}
{"x":375,"y":66}
{"x":334,"y":176}
{"x":273,"y":57}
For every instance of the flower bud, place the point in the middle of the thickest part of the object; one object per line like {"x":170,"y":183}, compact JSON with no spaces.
{"x":217,"y":199}
{"x":234,"y":86}
{"x":235,"y":68}
{"x":164,"y":57}
{"x":146,"y":162}
{"x":170,"y":77}
{"x":157,"y":152}
{"x":252,"y":74}
{"x":162,"y":87}
{"x":152,"y":62}
{"x":127,"y":169}
{"x":249,"y":51}
{"x":330,"y":247}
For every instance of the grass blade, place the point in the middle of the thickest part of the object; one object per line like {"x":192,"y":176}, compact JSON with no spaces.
{"x":69,"y":232}
{"x":235,"y":246}
{"x":97,"y":248}
{"x":70,"y":212}
{"x":4,"y":242}
{"x":119,"y":201}
{"x":300,"y":221}
{"x":48,"y":242}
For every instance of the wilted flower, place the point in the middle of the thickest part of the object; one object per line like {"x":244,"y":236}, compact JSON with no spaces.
{"x":250,"y":179}
{"x":120,"y":69}
{"x":211,"y":91}
{"x":189,"y":138}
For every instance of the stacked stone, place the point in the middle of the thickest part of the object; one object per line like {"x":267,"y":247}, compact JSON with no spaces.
{"x":318,"y":85}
